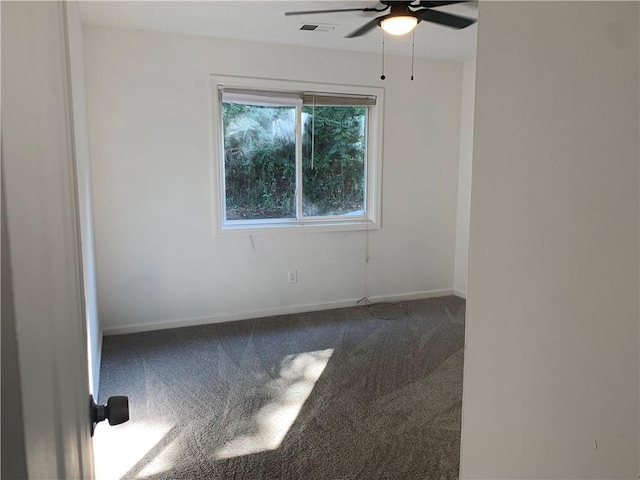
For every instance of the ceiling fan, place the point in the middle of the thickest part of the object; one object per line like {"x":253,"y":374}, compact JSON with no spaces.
{"x":403,"y":16}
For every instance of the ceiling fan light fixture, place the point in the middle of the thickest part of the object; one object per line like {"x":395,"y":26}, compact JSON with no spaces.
{"x":399,"y":25}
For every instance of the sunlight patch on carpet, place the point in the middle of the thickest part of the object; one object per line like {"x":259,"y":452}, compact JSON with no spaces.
{"x":297,"y":377}
{"x":166,"y":459}
{"x":118,"y":449}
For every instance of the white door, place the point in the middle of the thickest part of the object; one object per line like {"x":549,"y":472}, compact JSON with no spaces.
{"x":44,"y":252}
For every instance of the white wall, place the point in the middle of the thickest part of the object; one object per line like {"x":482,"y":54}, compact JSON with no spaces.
{"x":551,"y":382}
{"x":12,"y":453}
{"x":149,"y":100}
{"x":83,"y":174}
{"x":464,"y":178}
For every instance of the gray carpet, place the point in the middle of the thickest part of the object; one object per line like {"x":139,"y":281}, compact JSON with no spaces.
{"x":338,"y":394}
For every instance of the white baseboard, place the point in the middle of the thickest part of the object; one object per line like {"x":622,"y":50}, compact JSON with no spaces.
{"x":230,"y":317}
{"x":460,"y":293}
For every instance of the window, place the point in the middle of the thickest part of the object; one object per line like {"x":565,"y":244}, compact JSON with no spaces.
{"x":297,"y":155}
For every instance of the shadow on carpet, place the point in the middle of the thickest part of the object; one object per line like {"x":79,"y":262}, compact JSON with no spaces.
{"x":337,"y":394}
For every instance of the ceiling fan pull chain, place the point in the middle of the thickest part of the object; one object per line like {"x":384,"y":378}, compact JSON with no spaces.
{"x":413,"y":51}
{"x":382,"y":77}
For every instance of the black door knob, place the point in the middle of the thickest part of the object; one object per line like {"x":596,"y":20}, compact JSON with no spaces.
{"x":116,"y":411}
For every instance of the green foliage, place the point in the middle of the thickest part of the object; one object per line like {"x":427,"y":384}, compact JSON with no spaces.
{"x":260,"y":176}
{"x":260,"y":161}
{"x":333,"y":153}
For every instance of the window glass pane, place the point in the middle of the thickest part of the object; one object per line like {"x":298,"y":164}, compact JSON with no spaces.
{"x":333,"y":160}
{"x":259,"y":161}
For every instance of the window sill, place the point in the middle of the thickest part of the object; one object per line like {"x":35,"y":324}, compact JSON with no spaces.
{"x":258,"y":228}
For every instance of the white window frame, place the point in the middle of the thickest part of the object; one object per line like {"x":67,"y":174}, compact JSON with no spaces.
{"x":371,"y":220}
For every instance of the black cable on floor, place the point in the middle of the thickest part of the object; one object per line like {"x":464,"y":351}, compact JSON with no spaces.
{"x":375,"y":308}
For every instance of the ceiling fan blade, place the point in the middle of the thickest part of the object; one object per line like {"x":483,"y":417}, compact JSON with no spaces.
{"x":427,"y":4}
{"x":366,"y":27}
{"x":313,"y":12}
{"x":446,"y":19}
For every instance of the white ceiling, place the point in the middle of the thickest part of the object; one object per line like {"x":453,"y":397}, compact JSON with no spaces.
{"x":264,"y":21}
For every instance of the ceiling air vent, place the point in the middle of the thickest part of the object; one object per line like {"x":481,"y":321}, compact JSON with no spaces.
{"x":317,"y":27}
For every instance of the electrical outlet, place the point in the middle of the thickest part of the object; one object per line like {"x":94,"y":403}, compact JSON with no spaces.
{"x":292,"y":276}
